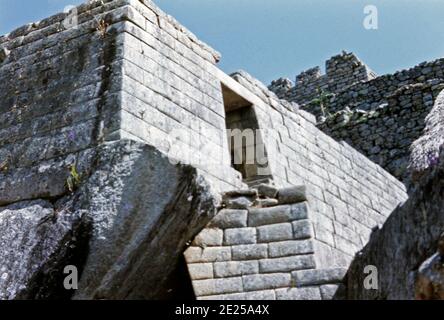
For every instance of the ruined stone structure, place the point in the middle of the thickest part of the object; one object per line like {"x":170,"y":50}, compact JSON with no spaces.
{"x":379,"y":116}
{"x":117,"y":157}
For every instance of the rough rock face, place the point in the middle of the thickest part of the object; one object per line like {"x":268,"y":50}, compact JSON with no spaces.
{"x":124,"y":228}
{"x":144,"y":210}
{"x":425,"y":150}
{"x":430,"y":281}
{"x":37,"y":241}
{"x":407,"y":239}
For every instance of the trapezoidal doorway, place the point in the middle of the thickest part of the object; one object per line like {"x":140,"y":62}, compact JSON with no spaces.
{"x":245,"y":142}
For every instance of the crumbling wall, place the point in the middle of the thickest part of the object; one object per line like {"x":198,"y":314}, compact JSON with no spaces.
{"x":342,"y":71}
{"x":386,"y":133}
{"x":378,"y":116}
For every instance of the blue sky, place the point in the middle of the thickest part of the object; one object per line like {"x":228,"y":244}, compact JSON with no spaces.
{"x":274,"y":38}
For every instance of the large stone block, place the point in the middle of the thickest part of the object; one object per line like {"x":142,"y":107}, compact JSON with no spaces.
{"x":266,"y":281}
{"x":292,"y":195}
{"x":210,"y":254}
{"x":217,"y":286}
{"x":250,"y":252}
{"x":240,"y":236}
{"x":302,"y":229}
{"x":200,"y":271}
{"x":235,"y":268}
{"x":275,"y":232}
{"x":287,"y":264}
{"x":209,"y":237}
{"x":279,"y":214}
{"x":333,"y":292}
{"x":290,"y":248}
{"x":229,"y":218}
{"x":265,"y":190}
{"x":319,"y":276}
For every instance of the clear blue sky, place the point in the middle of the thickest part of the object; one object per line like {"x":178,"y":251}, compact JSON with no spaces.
{"x":273,"y":38}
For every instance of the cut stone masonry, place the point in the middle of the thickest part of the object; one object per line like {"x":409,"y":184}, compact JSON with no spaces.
{"x":261,"y":252}
{"x":96,"y":106}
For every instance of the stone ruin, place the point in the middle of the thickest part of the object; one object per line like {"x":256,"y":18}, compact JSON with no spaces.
{"x":118,"y":156}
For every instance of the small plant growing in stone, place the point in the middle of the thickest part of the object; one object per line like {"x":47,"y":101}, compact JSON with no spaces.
{"x":73,"y":181}
{"x":102,"y":27}
{"x":322,"y":101}
{"x":4,"y":165}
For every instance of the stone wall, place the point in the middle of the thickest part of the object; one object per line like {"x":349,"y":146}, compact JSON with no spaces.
{"x":386,"y":133}
{"x":127,"y":70}
{"x":171,"y":97}
{"x":348,"y":194}
{"x":57,"y":99}
{"x":342,"y":71}
{"x":379,"y":116}
{"x":260,"y":247}
{"x":410,"y":236}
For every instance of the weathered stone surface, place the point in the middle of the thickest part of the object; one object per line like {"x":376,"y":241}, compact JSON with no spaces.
{"x":208,"y":254}
{"x":319,"y":276}
{"x":260,"y":295}
{"x":290,"y":248}
{"x":266,"y":281}
{"x":209,"y":237}
{"x":275,"y":232}
{"x":279,"y":214}
{"x":37,"y":241}
{"x":333,"y":292}
{"x":265,"y":203}
{"x":235,"y":268}
{"x":124,"y":259}
{"x":250,"y":252}
{"x":238,"y":203}
{"x":229,"y":218}
{"x":292,"y":195}
{"x":303,"y":229}
{"x":265,"y":190}
{"x":239,"y":236}
{"x":200,"y":271}
{"x":299,"y":294}
{"x":287,"y":264}
{"x":217,"y":286}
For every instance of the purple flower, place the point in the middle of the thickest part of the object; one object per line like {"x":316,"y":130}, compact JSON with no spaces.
{"x":433,"y":159}
{"x":72,"y":135}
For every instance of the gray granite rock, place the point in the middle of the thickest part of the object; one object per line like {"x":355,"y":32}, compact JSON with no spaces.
{"x":37,"y":241}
